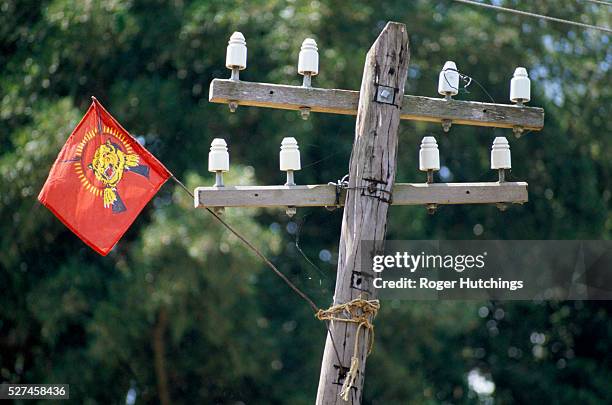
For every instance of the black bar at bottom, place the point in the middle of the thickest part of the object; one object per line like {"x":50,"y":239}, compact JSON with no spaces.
{"x":34,"y":391}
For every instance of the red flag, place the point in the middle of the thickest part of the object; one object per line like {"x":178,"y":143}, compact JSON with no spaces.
{"x":101,"y":180}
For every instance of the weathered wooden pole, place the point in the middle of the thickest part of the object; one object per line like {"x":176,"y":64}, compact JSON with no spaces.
{"x":371,"y":178}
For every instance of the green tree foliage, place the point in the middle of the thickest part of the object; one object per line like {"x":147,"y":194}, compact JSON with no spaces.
{"x":180,"y":310}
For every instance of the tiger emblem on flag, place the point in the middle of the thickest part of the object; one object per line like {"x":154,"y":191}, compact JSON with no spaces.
{"x":108,"y":165}
{"x":101,"y":161}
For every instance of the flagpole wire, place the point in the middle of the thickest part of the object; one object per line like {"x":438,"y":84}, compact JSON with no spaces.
{"x":263,"y":257}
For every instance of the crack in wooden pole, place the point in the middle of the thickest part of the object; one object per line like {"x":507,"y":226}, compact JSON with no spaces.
{"x":371,"y":178}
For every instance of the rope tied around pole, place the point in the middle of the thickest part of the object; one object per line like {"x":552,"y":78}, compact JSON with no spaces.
{"x":359,"y":311}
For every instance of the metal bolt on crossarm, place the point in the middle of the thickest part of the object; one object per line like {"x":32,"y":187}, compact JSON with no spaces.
{"x":448,"y":86}
{"x":290,"y":162}
{"x":308,"y":66}
{"x":236,"y":60}
{"x":305,"y":113}
{"x":431,"y":208}
{"x":520,"y":92}
{"x":233,"y":106}
{"x":429,"y":161}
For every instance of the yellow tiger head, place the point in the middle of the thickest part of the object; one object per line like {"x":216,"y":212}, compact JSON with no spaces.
{"x":109,"y":162}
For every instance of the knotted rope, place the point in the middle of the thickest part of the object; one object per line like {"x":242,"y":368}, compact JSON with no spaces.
{"x":361,"y":312}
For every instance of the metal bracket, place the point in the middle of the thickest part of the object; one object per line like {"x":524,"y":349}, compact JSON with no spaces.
{"x":361,"y":281}
{"x":342,"y":372}
{"x":385,"y":94}
{"x":373,"y":190}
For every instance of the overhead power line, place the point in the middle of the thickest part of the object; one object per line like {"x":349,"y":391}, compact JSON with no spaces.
{"x":603,"y":3}
{"x":528,"y":14}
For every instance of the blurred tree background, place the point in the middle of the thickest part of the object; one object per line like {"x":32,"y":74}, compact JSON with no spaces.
{"x":180,"y":312}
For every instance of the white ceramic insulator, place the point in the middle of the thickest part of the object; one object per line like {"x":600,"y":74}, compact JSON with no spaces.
{"x":448,"y":80}
{"x":429,"y":156}
{"x":500,"y":154}
{"x":290,"y":155}
{"x":308,"y":62}
{"x":218,"y":157}
{"x":520,"y":86}
{"x":236,"y":56}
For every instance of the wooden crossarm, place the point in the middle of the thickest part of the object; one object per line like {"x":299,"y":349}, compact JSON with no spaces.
{"x":325,"y":195}
{"x":334,"y":101}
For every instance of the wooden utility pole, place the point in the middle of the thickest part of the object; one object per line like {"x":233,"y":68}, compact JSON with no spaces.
{"x":371,"y":178}
{"x":379,"y":106}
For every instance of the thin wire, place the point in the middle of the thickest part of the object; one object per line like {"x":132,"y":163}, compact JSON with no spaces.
{"x":604,"y":3}
{"x":297,"y":246}
{"x":469,"y":80}
{"x":316,"y":162}
{"x":263,"y":257}
{"x":544,"y":17}
{"x":483,"y":89}
{"x":299,"y":292}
